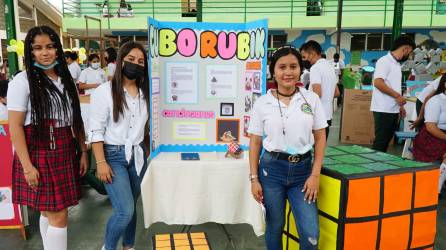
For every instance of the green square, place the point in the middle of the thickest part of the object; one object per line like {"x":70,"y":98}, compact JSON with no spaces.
{"x":409,"y":164}
{"x":355,"y":149}
{"x":351,"y":159}
{"x":379,"y":166}
{"x":380,"y":156}
{"x":329,"y":161}
{"x":330,"y":151}
{"x":347,"y":169}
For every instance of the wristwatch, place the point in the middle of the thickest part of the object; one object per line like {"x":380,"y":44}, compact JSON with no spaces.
{"x":253,"y":177}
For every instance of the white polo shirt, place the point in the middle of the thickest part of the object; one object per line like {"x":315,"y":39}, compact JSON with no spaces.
{"x":388,"y":69}
{"x":298,"y":121}
{"x":111,"y":67}
{"x":323,"y":73}
{"x":430,"y":87}
{"x":18,"y":99}
{"x":435,"y":111}
{"x":75,"y":71}
{"x":92,"y":76}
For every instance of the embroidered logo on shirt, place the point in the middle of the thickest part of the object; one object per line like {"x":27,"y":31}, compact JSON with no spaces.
{"x":306,"y":108}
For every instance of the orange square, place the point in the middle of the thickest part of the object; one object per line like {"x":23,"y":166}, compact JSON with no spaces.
{"x":395,"y":233}
{"x":162,"y":237}
{"x":163,"y":248}
{"x":424,"y":228}
{"x":206,"y":247}
{"x":361,"y":235}
{"x":426,"y":188}
{"x":397,"y":192}
{"x":363,"y":197}
{"x":183,"y":248}
{"x":198,"y":236}
{"x":162,"y":243}
{"x":199,"y":242}
{"x":180,"y":236}
{"x":181,"y":243}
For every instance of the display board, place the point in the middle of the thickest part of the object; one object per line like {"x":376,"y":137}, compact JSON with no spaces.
{"x":204,"y":81}
{"x":10,"y":214}
{"x":373,"y":200}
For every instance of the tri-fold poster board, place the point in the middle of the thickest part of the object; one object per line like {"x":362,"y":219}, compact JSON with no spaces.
{"x":204,"y":81}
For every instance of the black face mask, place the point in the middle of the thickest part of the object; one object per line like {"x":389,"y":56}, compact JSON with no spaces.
{"x":306,"y":64}
{"x":132,"y":71}
{"x":404,"y":59}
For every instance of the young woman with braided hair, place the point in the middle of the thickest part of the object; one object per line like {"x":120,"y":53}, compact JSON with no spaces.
{"x":44,"y":118}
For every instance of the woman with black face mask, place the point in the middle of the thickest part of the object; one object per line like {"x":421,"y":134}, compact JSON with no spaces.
{"x":118,"y":116}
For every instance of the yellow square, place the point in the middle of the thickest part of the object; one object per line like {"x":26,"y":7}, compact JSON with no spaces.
{"x":162,"y":243}
{"x":163,"y":248}
{"x":181,"y":243}
{"x":162,"y":237}
{"x":197,"y":236}
{"x":183,"y":248}
{"x":199,"y":242}
{"x":180,"y":236}
{"x":202,"y":247}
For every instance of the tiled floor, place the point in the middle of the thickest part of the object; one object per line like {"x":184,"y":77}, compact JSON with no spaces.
{"x":87,"y":222}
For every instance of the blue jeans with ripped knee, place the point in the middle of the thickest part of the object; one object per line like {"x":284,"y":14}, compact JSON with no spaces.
{"x":282,"y":180}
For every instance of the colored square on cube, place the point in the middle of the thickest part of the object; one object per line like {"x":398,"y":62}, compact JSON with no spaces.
{"x":330,"y":151}
{"x":380,"y":156}
{"x":363,"y":197}
{"x":360,"y":235}
{"x":180,"y":237}
{"x":163,"y":243}
{"x":328,"y":233}
{"x":162,"y":237}
{"x":423,"y":229}
{"x":347,"y":169}
{"x":179,"y":243}
{"x":395,"y":232}
{"x":355,"y":149}
{"x":397,"y":192}
{"x":329,"y":195}
{"x":329,"y":161}
{"x":424,"y":185}
{"x":351,"y":159}
{"x":198,"y":235}
{"x":202,"y":247}
{"x":409,"y":164}
{"x":379,"y":166}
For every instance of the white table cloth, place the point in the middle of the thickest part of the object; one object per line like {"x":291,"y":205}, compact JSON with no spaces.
{"x":213,"y":189}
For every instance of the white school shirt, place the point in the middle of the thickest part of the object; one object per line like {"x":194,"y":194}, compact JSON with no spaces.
{"x":111,"y":67}
{"x":430,"y":87}
{"x":3,"y":112}
{"x":323,"y":73}
{"x":338,"y":66}
{"x":128,"y":131}
{"x":92,"y":76}
{"x":18,"y":99}
{"x":388,"y":69}
{"x":435,"y":111}
{"x":75,"y":71}
{"x":299,"y":125}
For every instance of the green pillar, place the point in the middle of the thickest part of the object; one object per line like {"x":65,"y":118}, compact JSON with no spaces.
{"x":11,"y":34}
{"x":199,"y":10}
{"x":397,"y":19}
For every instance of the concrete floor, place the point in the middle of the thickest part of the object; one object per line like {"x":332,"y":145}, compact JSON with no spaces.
{"x":87,"y":222}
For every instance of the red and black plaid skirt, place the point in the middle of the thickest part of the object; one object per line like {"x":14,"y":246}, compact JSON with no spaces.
{"x":428,"y":148}
{"x":59,"y":180}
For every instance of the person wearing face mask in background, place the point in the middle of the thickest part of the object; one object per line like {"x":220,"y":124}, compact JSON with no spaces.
{"x":117,"y":124}
{"x":73,"y":66}
{"x":93,"y":76}
{"x":387,"y":100}
{"x":110,"y":57}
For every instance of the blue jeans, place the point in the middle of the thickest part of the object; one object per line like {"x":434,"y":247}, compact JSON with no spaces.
{"x":123,"y":193}
{"x":281,"y":180}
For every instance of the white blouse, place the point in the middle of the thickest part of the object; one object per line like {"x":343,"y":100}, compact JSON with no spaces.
{"x":128,"y":131}
{"x":19,"y":99}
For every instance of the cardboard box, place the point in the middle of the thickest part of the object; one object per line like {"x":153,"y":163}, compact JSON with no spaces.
{"x":357,"y":125}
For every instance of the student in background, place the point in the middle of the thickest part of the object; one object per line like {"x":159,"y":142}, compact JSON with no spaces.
{"x":387,"y":100}
{"x":322,"y":78}
{"x":110,"y":57}
{"x":339,"y":66}
{"x":93,"y":76}
{"x":73,"y":66}
{"x":3,"y":92}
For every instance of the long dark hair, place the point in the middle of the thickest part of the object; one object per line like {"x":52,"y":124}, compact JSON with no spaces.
{"x":441,"y":88}
{"x":111,"y":55}
{"x":44,"y":95}
{"x":117,"y":88}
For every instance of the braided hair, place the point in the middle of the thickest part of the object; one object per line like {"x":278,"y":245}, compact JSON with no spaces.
{"x":45,"y":97}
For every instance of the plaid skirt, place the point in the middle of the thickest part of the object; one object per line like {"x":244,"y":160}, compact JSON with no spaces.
{"x":59,"y":179}
{"x":428,"y":148}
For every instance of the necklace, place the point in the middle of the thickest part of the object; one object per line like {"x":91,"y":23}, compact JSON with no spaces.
{"x":285,"y":95}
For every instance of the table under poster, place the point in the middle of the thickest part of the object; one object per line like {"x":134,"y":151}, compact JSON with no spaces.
{"x":373,"y":200}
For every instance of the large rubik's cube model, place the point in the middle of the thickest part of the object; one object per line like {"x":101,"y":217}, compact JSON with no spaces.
{"x":181,"y":241}
{"x":372,"y":200}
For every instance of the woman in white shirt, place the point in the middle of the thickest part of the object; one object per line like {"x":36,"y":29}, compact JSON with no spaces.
{"x":93,"y":76}
{"x":44,"y":113}
{"x":110,"y":57}
{"x":73,"y":66}
{"x":118,"y":117}
{"x":430,"y":143}
{"x":290,"y":120}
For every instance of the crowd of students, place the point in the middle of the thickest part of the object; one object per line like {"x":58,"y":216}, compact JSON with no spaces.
{"x":288,"y":122}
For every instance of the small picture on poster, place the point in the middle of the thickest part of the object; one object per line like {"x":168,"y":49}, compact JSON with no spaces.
{"x":225,"y":125}
{"x":248,"y":103}
{"x":226,"y":109}
{"x":6,"y":206}
{"x":181,"y":83}
{"x":246,"y":120}
{"x":221,"y":81}
{"x":256,"y":87}
{"x":248,"y":81}
{"x":255,"y":96}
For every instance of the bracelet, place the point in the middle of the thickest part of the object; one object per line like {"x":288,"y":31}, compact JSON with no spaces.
{"x":99,"y":162}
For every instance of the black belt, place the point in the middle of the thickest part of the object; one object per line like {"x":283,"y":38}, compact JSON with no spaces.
{"x":289,"y":157}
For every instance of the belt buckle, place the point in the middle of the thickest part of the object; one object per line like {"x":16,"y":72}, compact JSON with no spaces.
{"x":294,"y":158}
